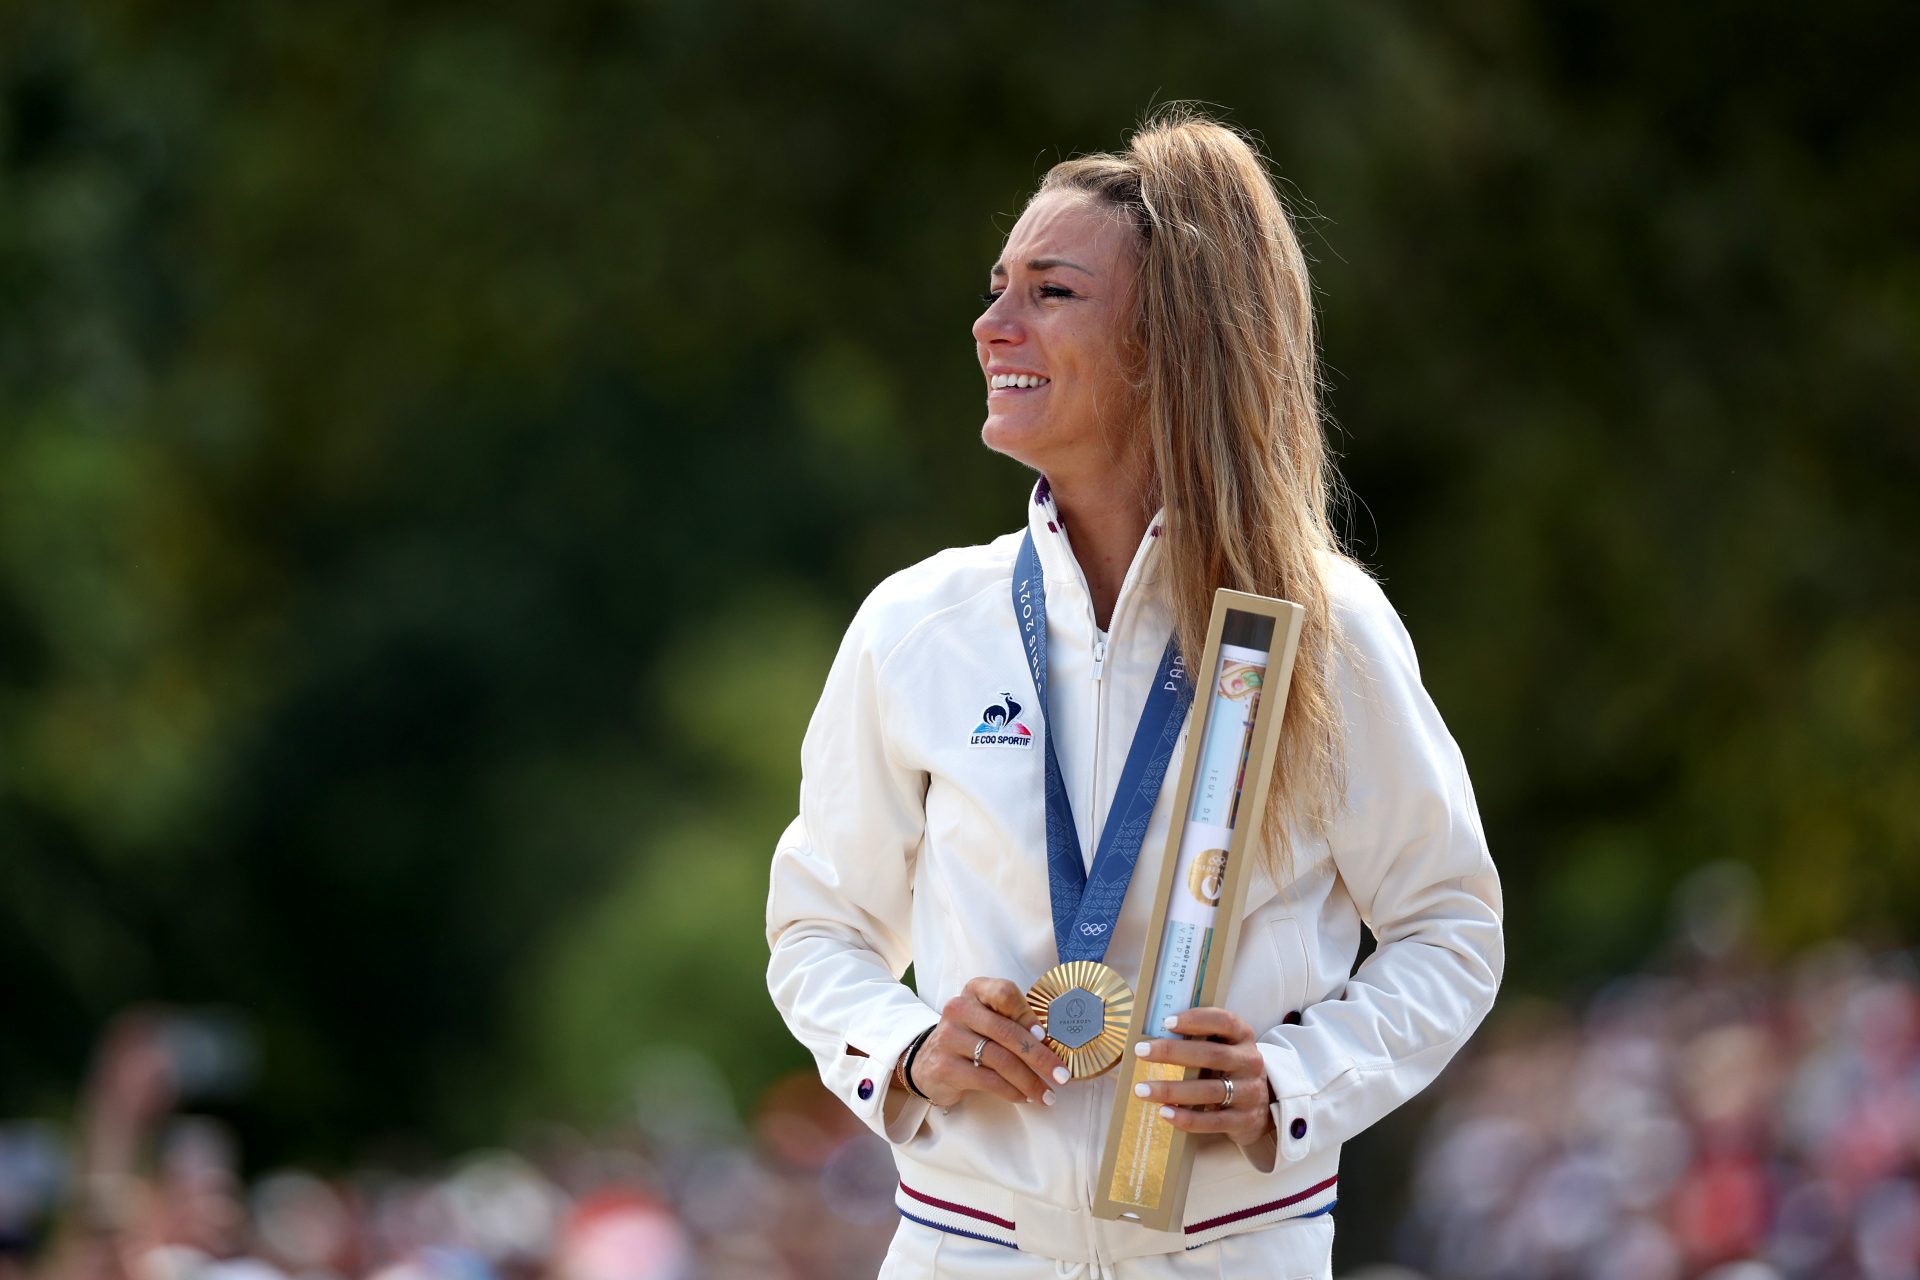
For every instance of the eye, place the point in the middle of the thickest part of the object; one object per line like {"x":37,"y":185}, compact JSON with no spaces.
{"x":990,"y":297}
{"x":1055,"y":291}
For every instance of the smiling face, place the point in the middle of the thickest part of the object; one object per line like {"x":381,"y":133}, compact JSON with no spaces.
{"x":1055,"y":340}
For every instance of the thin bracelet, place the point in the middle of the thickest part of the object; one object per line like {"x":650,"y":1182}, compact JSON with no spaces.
{"x":906,"y":1063}
{"x":899,"y":1077}
{"x":899,"y":1066}
{"x":899,"y":1080}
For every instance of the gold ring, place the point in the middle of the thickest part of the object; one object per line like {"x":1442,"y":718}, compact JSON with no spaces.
{"x":979,"y":1049}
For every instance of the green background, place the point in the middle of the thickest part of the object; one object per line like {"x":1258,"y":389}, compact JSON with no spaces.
{"x":441,"y":445}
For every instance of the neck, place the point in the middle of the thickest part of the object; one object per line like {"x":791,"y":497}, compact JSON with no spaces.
{"x":1105,"y":518}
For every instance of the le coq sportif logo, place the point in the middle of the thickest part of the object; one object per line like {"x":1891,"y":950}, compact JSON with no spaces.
{"x":1000,"y":726}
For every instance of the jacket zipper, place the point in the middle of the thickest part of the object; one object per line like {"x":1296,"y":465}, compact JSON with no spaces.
{"x":1099,"y":744}
{"x":1096,"y":814}
{"x":1095,"y":1139}
{"x":1092,"y":1141}
{"x":1089,"y":1164}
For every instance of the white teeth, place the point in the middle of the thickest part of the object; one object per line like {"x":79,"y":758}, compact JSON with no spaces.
{"x":1002,"y":380}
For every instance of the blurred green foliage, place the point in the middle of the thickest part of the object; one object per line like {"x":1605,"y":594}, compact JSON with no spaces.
{"x":440,"y":445}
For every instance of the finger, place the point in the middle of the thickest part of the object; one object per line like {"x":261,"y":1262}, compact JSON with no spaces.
{"x":951,"y":1073}
{"x":1249,"y":1094}
{"x":1010,"y":1050}
{"x":987,"y":1080}
{"x":961,"y":1068}
{"x":1209,"y":1021}
{"x":1000,"y":996}
{"x":996,"y":1057}
{"x":1228,"y":1059}
{"x":1010,"y":1002}
{"x":1018,"y":1038}
{"x":1242,"y":1126}
{"x":967,"y":1011}
{"x":944,"y":1068}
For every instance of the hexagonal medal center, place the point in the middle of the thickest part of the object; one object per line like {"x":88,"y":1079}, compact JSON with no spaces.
{"x":1075,"y":1017}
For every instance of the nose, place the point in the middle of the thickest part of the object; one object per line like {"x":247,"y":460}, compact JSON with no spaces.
{"x":996,"y":323}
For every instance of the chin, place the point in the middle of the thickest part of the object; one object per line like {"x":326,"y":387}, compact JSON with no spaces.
{"x":1023,"y":442}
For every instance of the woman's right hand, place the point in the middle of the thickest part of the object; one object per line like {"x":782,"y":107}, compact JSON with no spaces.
{"x":1015,"y":1063}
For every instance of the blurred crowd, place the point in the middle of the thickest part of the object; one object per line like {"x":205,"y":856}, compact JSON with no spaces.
{"x":800,"y":1190}
{"x":1729,"y":1122}
{"x":1726,"y":1121}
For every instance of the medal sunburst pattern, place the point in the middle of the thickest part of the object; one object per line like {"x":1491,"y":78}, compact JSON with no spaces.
{"x":1099,"y":1054}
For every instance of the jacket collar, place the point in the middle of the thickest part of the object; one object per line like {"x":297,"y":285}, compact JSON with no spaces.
{"x":1051,"y":541}
{"x":1065,"y":578}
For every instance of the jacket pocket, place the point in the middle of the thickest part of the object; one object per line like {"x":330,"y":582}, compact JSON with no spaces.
{"x":1290,"y":952}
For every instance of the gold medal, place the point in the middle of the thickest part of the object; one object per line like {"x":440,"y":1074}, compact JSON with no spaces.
{"x":1085,"y":1008}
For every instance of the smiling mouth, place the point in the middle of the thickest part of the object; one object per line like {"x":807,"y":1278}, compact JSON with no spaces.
{"x":1016,"y":382}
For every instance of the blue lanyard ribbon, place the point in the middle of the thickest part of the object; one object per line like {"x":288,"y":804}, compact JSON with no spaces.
{"x":1086,"y":903}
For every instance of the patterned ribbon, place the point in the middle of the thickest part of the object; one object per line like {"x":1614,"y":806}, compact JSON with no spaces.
{"x":1086,"y":903}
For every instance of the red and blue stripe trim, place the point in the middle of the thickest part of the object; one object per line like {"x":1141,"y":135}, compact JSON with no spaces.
{"x":955,"y":1231}
{"x":965,"y":1220}
{"x":933,"y":1210}
{"x":1270,"y":1207}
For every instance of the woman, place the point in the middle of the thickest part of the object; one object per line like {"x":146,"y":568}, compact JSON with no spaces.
{"x":1148,"y":348}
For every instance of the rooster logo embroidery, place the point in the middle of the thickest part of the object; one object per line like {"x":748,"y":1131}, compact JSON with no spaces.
{"x":1000,"y":726}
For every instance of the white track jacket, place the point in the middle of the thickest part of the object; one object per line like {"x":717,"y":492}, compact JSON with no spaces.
{"x":915,"y":846}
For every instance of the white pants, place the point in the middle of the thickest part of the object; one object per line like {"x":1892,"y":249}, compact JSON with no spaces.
{"x":1298,"y":1250}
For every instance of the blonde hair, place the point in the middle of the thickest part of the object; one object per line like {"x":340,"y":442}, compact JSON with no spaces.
{"x":1229,"y":385}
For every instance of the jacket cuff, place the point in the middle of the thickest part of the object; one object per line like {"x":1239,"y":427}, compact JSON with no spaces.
{"x":865,"y":1084}
{"x":1293,"y":1107}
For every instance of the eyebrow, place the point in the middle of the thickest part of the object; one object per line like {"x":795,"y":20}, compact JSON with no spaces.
{"x":1040,"y":264}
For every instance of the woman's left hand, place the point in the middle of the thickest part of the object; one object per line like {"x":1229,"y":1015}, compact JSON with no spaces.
{"x":1220,"y":1041}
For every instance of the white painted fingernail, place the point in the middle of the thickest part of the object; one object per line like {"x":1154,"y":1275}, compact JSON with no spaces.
{"x":1166,"y":1113}
{"x":1037,"y":1031}
{"x":1141,"y":1091}
{"x":1061,"y":1075}
{"x":1144,"y":1049}
{"x":1047,"y":1097}
{"x":1172,"y":1020}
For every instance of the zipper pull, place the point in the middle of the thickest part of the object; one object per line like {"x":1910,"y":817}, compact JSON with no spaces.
{"x":1099,"y":657}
